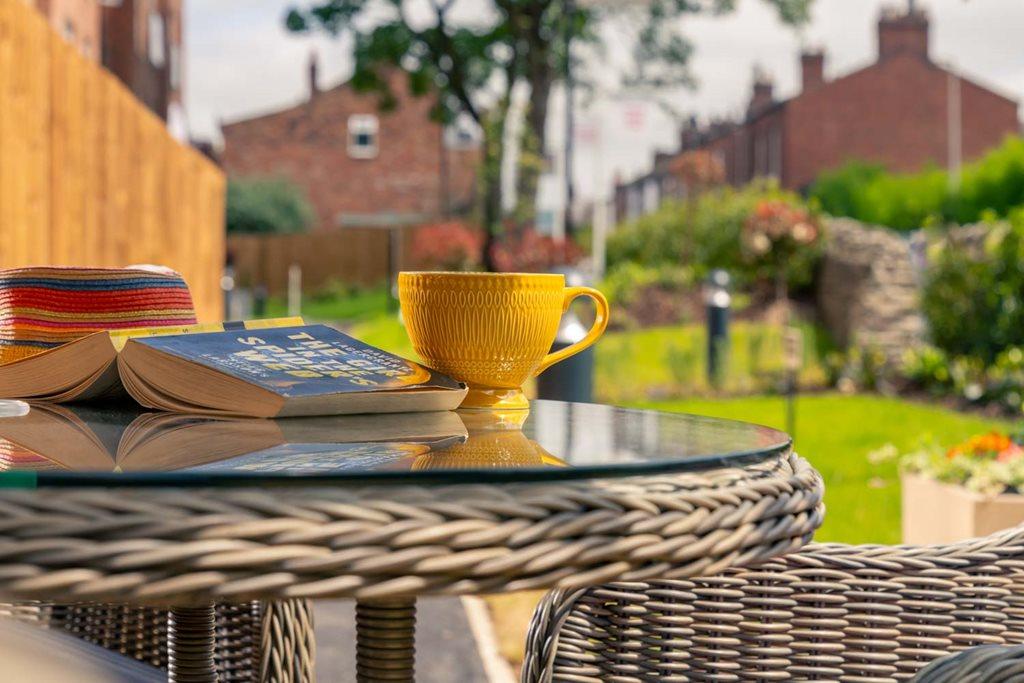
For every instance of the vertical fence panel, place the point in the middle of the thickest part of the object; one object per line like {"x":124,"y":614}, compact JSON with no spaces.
{"x":89,"y":176}
{"x":6,"y":128}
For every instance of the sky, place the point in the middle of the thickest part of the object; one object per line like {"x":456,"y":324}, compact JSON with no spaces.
{"x":240,"y":61}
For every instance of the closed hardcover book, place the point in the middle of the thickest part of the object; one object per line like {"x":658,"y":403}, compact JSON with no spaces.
{"x":259,"y":369}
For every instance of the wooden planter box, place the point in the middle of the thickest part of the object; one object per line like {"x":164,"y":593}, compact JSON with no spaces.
{"x":934,"y":512}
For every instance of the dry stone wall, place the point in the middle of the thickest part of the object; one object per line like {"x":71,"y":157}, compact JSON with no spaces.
{"x":869,"y":290}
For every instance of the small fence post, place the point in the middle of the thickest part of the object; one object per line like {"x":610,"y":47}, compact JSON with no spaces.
{"x":259,"y":301}
{"x":295,"y":289}
{"x":793,"y":350}
{"x":227,"y":286}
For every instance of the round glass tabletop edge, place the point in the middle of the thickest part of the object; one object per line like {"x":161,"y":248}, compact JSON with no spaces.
{"x":522,"y":474}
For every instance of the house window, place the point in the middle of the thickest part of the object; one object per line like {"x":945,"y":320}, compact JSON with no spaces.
{"x":155,"y":40}
{"x":775,"y":153}
{"x":362,"y":136}
{"x":175,"y":67}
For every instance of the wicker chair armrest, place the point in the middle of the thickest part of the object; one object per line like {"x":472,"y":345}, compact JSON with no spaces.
{"x":982,"y":664}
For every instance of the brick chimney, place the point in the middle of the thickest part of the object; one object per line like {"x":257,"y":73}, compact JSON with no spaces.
{"x":689,"y":135}
{"x":903,"y":32}
{"x":812,"y":69}
{"x":761,"y":98}
{"x":313,"y":68}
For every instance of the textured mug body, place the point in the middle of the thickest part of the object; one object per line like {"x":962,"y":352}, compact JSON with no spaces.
{"x":490,"y":330}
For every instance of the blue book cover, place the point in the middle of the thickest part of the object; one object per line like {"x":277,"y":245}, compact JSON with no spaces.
{"x":303,"y":361}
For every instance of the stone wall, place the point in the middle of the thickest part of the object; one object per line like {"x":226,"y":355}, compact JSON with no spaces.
{"x":868,"y":292}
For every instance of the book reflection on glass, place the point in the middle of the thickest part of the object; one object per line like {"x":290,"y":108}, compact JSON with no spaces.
{"x":52,"y":437}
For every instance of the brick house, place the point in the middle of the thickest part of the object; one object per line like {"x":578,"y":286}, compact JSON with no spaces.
{"x":139,"y":41}
{"x":359,"y":166}
{"x":142,"y":45}
{"x":903,"y":111}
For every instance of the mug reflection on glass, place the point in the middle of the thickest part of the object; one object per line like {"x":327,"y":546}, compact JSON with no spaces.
{"x":492,"y":331}
{"x":496,"y":441}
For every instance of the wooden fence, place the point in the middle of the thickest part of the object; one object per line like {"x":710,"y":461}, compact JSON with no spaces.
{"x":353,"y":256}
{"x":89,"y":176}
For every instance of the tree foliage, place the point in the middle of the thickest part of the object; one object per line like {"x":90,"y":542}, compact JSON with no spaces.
{"x":267,"y":206}
{"x":472,"y":65}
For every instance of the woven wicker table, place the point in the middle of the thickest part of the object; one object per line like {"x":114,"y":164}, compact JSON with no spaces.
{"x":206,"y":523}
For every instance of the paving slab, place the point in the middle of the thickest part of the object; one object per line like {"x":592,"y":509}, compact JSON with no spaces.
{"x":446,"y":651}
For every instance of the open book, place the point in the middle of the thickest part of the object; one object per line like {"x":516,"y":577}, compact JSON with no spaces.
{"x":265,"y":368}
{"x":85,"y":438}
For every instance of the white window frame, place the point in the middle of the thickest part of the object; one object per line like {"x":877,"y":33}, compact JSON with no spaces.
{"x":363,"y":124}
{"x":156,"y":32}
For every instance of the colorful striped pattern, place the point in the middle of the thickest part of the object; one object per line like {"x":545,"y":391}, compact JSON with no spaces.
{"x":44,"y":307}
{"x":14,"y":457}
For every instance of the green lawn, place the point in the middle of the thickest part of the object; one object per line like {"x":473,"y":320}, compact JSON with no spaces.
{"x":835,"y":432}
{"x":636,"y":365}
{"x":335,"y":306}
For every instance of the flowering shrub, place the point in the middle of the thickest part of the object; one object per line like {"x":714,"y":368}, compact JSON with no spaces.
{"x":449,"y":245}
{"x":774,"y":235}
{"x":989,"y":463}
{"x":704,"y":232}
{"x":528,"y":251}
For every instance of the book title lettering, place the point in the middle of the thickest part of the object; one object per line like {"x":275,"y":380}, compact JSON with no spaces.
{"x":309,"y":358}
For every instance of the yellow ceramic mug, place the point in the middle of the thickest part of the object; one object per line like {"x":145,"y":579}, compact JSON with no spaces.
{"x":492,"y":331}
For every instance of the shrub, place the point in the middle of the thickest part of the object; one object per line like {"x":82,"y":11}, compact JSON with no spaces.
{"x":642,"y":295}
{"x":525,"y":251}
{"x":839,"y":192}
{"x":449,"y":245}
{"x":702,"y":234}
{"x":995,"y":183}
{"x":992,"y":185}
{"x":266,"y":205}
{"x":974,"y":294}
{"x":968,"y":379}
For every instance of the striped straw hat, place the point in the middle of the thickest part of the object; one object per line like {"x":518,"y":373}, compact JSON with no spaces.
{"x":43,"y":307}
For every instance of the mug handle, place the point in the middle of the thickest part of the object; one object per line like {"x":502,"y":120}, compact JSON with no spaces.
{"x":596,"y":330}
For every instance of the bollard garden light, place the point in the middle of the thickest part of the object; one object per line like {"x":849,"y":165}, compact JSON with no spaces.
{"x":717,"y":299}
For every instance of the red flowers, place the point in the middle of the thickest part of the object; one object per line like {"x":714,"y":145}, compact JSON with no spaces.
{"x":774,"y":222}
{"x":450,"y":245}
{"x":528,"y":251}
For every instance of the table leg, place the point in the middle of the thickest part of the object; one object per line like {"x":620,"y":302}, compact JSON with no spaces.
{"x":190,"y":645}
{"x":385,"y":640}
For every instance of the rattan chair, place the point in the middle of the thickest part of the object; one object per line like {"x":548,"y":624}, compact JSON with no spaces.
{"x":870,"y":614}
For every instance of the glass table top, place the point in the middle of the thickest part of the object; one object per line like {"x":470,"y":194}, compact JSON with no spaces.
{"x":51,"y":445}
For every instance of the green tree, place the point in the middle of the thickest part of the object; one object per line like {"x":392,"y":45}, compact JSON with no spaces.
{"x":473,"y":65}
{"x":267,"y":205}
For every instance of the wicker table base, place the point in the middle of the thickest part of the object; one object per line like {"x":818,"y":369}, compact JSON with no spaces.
{"x":385,"y":640}
{"x":190,"y":645}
